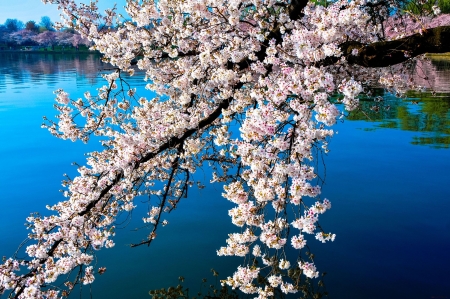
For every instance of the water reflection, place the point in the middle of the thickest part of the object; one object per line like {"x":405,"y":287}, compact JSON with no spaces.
{"x":433,"y":73}
{"x":427,"y":113}
{"x":25,"y":69}
{"x":420,"y":112}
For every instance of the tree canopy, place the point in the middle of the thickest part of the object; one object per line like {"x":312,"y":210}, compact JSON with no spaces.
{"x":274,"y":71}
{"x":13,"y":25}
{"x":46,"y":23}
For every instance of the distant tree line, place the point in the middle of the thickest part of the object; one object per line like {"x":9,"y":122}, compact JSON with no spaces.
{"x":15,"y":34}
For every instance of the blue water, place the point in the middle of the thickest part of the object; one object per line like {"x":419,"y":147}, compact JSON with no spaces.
{"x":390,"y":196}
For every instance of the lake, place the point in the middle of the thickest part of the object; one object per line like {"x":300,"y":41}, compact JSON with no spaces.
{"x":387,"y":176}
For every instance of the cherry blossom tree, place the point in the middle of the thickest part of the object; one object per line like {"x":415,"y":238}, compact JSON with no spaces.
{"x":24,"y":36}
{"x":407,"y":24}
{"x":78,"y":40}
{"x":46,"y":38}
{"x":63,"y":38}
{"x":66,"y":38}
{"x":269,"y":69}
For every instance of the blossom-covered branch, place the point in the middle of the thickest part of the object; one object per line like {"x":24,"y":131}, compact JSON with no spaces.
{"x":265,"y":69}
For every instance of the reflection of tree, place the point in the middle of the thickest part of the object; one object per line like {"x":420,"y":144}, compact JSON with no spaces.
{"x":376,"y":108}
{"x":22,"y":66}
{"x":433,"y":117}
{"x":419,"y":112}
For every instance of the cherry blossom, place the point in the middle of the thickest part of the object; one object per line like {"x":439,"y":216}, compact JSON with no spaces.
{"x":250,"y":89}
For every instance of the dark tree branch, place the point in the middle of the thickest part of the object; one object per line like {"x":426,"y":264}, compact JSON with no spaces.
{"x":152,"y":235}
{"x":295,"y":9}
{"x":387,"y":53}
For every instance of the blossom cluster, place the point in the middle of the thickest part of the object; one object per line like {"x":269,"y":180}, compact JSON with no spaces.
{"x":217,"y":68}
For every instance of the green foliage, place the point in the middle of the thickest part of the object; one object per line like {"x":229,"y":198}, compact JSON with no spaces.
{"x":444,"y":5}
{"x":32,"y":26}
{"x":321,"y":2}
{"x":46,"y":23}
{"x":421,"y":7}
{"x":13,"y":25}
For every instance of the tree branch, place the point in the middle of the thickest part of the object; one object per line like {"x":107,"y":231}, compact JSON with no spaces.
{"x":295,"y":9}
{"x":387,"y":53}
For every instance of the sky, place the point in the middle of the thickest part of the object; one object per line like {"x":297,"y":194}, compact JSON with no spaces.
{"x":26,"y":10}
